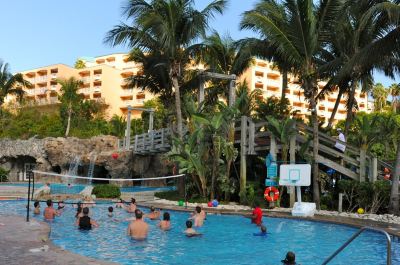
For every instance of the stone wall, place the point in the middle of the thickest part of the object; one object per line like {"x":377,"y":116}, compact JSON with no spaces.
{"x":56,"y":154}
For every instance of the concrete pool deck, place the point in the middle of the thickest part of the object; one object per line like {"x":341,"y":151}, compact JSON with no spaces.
{"x":391,"y":228}
{"x":28,"y":243}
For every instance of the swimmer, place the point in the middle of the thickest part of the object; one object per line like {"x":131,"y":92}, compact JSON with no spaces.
{"x":189,"y":230}
{"x":49,"y":212}
{"x":36,"y":211}
{"x":69,"y":185}
{"x":132,"y":206}
{"x":154,"y":214}
{"x":256,"y":216}
{"x":120,"y":204}
{"x":138,"y":229}
{"x":85,"y":222}
{"x":263,"y":231}
{"x":290,"y":259}
{"x":60,"y":205}
{"x":165,"y":224}
{"x":110,"y":211}
{"x":198,"y":217}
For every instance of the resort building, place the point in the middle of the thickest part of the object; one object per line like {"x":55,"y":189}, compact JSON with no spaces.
{"x":104,"y":80}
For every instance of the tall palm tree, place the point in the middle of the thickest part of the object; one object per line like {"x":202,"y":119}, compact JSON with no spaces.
{"x":9,"y":83}
{"x":367,"y":38}
{"x":298,"y":37}
{"x":394,"y":93}
{"x":380,"y":94}
{"x":69,"y":98}
{"x":169,"y":28}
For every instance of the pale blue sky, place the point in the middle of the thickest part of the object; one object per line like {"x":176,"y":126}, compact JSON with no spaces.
{"x":39,"y":33}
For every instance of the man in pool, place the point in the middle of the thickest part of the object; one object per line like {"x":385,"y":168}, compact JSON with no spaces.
{"x":132,"y":206}
{"x":290,"y":259}
{"x":85,"y":222}
{"x":138,"y":229}
{"x":198,"y":217}
{"x":190,"y":232}
{"x":154,"y":214}
{"x":165,"y":224}
{"x":256,"y":217}
{"x":49,"y":212}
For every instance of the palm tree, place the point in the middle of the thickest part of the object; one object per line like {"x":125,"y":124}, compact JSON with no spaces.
{"x":10,"y":84}
{"x":69,"y":98}
{"x":367,"y":38}
{"x":118,"y":124}
{"x":394,"y":93}
{"x":298,"y":37}
{"x":168,"y":28}
{"x":247,"y":101}
{"x":380,"y":94}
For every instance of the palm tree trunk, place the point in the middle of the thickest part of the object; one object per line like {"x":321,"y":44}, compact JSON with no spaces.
{"x":69,"y":120}
{"x":350,"y":104}
{"x":394,"y":105}
{"x":284,"y":84}
{"x":315,"y":179}
{"x":335,"y":108}
{"x":394,"y":194}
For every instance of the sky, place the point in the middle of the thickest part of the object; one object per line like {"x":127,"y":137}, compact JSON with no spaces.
{"x":40,"y":33}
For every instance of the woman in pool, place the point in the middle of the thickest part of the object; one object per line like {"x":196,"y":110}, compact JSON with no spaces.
{"x":165,"y":224}
{"x":85,"y":222}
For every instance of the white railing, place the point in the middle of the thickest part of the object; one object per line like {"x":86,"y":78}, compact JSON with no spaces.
{"x":97,"y":89}
{"x":53,"y":76}
{"x":31,"y":80}
{"x":127,"y":92}
{"x":97,"y":77}
{"x":85,"y":80}
{"x":41,"y":79}
{"x":85,"y":91}
{"x":259,"y":79}
{"x":140,"y":100}
{"x":129,"y":102}
{"x":53,"y":88}
{"x":40,"y":91}
{"x":30,"y":92}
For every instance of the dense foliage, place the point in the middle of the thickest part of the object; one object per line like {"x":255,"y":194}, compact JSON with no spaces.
{"x":106,"y":191}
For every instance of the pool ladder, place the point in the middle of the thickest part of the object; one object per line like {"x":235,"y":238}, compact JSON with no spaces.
{"x":388,"y":244}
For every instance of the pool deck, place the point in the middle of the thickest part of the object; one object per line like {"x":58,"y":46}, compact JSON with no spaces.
{"x":28,"y":243}
{"x":391,"y":228}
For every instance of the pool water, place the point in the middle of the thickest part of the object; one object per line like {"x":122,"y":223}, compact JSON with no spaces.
{"x":226,"y":240}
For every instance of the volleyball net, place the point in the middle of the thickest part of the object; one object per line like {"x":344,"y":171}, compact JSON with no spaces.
{"x":70,"y":187}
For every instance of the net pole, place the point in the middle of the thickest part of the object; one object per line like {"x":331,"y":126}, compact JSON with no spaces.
{"x":184,"y":183}
{"x":33,"y":183}
{"x":29,"y":195}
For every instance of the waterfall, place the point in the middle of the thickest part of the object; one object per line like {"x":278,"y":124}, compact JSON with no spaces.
{"x":73,"y":166}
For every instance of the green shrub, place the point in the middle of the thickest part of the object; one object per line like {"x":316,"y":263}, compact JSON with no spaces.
{"x":106,"y":191}
{"x":3,"y":175}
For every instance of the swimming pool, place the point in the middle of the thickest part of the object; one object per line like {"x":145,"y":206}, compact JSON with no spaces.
{"x":226,"y":240}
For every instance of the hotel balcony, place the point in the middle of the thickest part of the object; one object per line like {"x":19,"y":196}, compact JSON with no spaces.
{"x":97,"y":77}
{"x":53,"y":88}
{"x":135,"y":102}
{"x":84,"y":91}
{"x":127,"y":93}
{"x":85,"y":80}
{"x":41,"y":79}
{"x":96,"y":89}
{"x":41,"y":91}
{"x":30,"y":92}
{"x":53,"y":76}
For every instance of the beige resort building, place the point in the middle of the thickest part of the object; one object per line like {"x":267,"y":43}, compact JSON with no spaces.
{"x":104,"y":80}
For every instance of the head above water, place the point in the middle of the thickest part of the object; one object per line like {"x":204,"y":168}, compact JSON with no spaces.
{"x":110,"y":209}
{"x":36,"y":204}
{"x":189,"y":224}
{"x":152,"y":209}
{"x":138,"y":214}
{"x":290,"y":258}
{"x":198,"y":209}
{"x":49,"y":203}
{"x":85,"y":211}
{"x":263,"y":229}
{"x":166,"y":216}
{"x":133,"y":200}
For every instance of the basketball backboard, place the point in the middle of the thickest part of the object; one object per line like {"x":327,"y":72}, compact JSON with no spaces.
{"x":295,"y":175}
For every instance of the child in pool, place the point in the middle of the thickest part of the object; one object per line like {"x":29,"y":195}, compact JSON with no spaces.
{"x":110,"y":211}
{"x":263,"y":231}
{"x":190,"y":232}
{"x":36,"y":211}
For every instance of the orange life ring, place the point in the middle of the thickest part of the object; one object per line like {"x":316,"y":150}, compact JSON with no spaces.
{"x":267,"y":195}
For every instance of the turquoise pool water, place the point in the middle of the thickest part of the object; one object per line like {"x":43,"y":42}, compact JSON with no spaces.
{"x":226,"y":240}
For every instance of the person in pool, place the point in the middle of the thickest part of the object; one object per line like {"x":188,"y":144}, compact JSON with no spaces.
{"x":189,"y":230}
{"x":36,"y":211}
{"x":256,"y":217}
{"x":154,"y":214}
{"x":120,"y":204}
{"x":85,"y":222}
{"x":132,"y":206}
{"x":138,"y":229}
{"x":290,"y":259}
{"x":49,"y":212}
{"x":60,"y":205}
{"x":198,"y":217}
{"x":263,"y":231}
{"x":110,"y":211}
{"x":165,"y":224}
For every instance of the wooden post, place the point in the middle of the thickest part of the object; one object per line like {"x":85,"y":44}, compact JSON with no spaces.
{"x":232,"y":95}
{"x":272,"y":148}
{"x":243,"y":169}
{"x":128,"y":130}
{"x":374,"y":169}
{"x":151,"y":121}
{"x":136,"y":142}
{"x":292,"y":153}
{"x":252,"y":131}
{"x":201,"y":90}
{"x":363,"y":157}
{"x":340,"y":208}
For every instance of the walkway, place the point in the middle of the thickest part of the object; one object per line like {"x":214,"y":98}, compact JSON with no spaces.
{"x":26,"y":243}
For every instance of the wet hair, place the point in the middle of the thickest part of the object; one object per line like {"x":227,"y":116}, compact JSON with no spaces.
{"x":49,"y":203}
{"x":36,"y":204}
{"x":198,"y":209}
{"x":263,"y":229}
{"x":166,"y":216}
{"x":138,"y":214}
{"x":189,"y":224}
{"x":85,"y":211}
{"x":78,"y":211}
{"x":290,"y":257}
{"x":133,"y":200}
{"x":110,"y":209}
{"x":152,"y":208}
